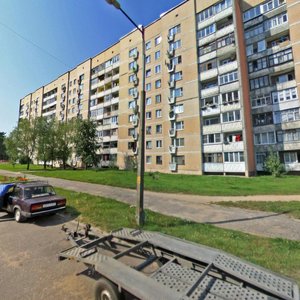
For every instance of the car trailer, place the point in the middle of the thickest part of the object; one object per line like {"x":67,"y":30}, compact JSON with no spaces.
{"x":135,"y":264}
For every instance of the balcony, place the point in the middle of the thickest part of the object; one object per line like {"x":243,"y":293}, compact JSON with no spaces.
{"x":213,"y":167}
{"x":173,"y":167}
{"x":219,"y":33}
{"x":211,"y":109}
{"x":207,"y":129}
{"x":171,"y":99}
{"x":226,"y":50}
{"x":172,"y":84}
{"x":232,"y":126}
{"x":209,"y":92}
{"x":234,"y":167}
{"x":206,"y":75}
{"x":172,"y":149}
{"x":172,"y":115}
{"x":212,"y":148}
{"x":229,"y":87}
{"x":233,"y":146}
{"x":172,"y":132}
{"x":213,"y":19}
{"x":208,"y":56}
{"x":228,"y":67}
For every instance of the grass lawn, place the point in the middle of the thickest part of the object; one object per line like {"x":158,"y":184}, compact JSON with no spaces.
{"x":279,"y":255}
{"x":176,"y":183}
{"x":291,"y":208}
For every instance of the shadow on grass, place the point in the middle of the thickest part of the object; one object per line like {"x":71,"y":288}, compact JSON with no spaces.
{"x":248,"y":219}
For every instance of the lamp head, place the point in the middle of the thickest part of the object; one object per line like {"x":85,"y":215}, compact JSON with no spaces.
{"x":115,"y":3}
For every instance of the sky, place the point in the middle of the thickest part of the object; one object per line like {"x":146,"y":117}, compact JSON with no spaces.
{"x":42,"y":39}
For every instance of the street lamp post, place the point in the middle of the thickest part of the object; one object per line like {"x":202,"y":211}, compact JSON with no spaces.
{"x":140,"y":214}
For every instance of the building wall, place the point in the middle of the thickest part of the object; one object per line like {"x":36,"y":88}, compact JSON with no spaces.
{"x":192,"y":132}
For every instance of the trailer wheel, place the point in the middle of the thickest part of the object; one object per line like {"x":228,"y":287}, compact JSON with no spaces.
{"x":18,"y":215}
{"x":106,"y":290}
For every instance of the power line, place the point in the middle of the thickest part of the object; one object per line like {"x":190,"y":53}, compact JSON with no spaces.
{"x":32,"y":43}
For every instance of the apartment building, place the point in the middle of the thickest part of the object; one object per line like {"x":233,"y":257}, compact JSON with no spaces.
{"x":222,"y":86}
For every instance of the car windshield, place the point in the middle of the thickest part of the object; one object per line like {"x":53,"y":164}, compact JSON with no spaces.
{"x":38,"y":191}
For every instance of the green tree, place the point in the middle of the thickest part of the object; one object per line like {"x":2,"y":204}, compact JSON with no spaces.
{"x":64,"y":141}
{"x":12,"y":144}
{"x":86,"y":142}
{"x":3,"y":154}
{"x":273,"y":165}
{"x":27,"y":137}
{"x":44,"y":131}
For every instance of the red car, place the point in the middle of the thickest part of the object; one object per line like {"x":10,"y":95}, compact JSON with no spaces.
{"x":30,"y":199}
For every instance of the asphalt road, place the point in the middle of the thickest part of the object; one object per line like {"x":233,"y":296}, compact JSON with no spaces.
{"x":29,"y":268}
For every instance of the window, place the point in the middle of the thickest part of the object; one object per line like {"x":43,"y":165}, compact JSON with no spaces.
{"x":179,"y":142}
{"x":276,"y":21}
{"x":176,"y":76}
{"x":259,"y":82}
{"x":132,"y":78}
{"x":211,"y":138}
{"x":148,"y":129}
{"x":175,"y":45}
{"x":263,"y":119}
{"x":207,"y":31}
{"x":131,"y":131}
{"x":148,"y":72}
{"x":230,"y":97}
{"x":148,"y":59}
{"x":176,"y":60}
{"x":159,"y":128}
{"x":290,"y":157}
{"x":211,"y":121}
{"x":158,"y":113}
{"x":292,"y":135}
{"x":257,"y":64}
{"x":158,"y":98}
{"x":254,"y":31}
{"x":288,"y":115}
{"x":148,"y":159}
{"x":157,"y":40}
{"x":132,"y":91}
{"x":179,"y":160}
{"x":178,"y":109}
{"x":212,"y":10}
{"x":148,"y":115}
{"x":132,"y":65}
{"x":159,"y":144}
{"x":284,"y":78}
{"x":233,"y":156}
{"x":159,"y":160}
{"x":228,"y":77}
{"x":285,"y":95}
{"x":132,"y":52}
{"x":252,"y":13}
{"x":177,"y":92}
{"x":158,"y":83}
{"x":148,"y":86}
{"x":281,"y":57}
{"x":175,"y":29}
{"x":157,"y":55}
{"x":231,"y":116}
{"x":264,"y":138}
{"x":148,"y":45}
{"x":271,"y":5}
{"x":148,"y":144}
{"x":148,"y":101}
{"x":261,"y":100}
{"x":213,"y":158}
{"x":157,"y":69}
{"x":179,"y":125}
{"x":132,"y":104}
{"x":261,"y":157}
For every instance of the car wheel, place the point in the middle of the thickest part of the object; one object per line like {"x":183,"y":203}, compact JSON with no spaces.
{"x":18,"y":216}
{"x":106,"y":290}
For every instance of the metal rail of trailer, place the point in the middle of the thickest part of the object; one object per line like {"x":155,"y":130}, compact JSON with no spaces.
{"x":148,"y":265}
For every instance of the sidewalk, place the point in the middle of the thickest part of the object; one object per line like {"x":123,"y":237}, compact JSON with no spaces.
{"x":197,"y":208}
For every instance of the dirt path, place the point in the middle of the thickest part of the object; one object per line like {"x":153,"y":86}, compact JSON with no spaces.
{"x":198,"y":208}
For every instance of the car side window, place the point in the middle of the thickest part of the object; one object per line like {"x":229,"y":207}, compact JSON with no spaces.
{"x":16,"y":192}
